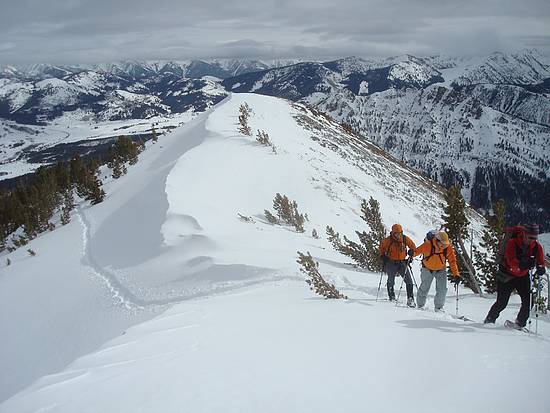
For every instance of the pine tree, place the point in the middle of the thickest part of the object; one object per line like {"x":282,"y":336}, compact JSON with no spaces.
{"x":454,"y":217}
{"x":370,"y":213}
{"x":46,"y":196}
{"x":94,"y":192}
{"x":122,"y":151}
{"x":456,"y":223}
{"x":68,"y":206}
{"x":116,"y":166}
{"x":79,"y":175}
{"x":486,"y":262}
{"x":62,"y":174}
{"x":365,"y":253}
{"x":3,"y":236}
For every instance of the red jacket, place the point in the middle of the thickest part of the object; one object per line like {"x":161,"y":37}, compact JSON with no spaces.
{"x":512,"y":260}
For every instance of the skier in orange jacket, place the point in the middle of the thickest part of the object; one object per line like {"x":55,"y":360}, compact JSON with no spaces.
{"x":436,"y":252}
{"x":393,"y":253}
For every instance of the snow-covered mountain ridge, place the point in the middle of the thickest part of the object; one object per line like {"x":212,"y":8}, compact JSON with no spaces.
{"x":231,"y":324}
{"x":481,"y":123}
{"x":191,"y":241}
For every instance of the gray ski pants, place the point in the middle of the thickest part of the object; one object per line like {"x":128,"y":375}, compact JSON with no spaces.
{"x":426,"y":277}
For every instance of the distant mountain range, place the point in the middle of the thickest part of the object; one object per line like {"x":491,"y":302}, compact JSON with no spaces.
{"x":483,"y":123}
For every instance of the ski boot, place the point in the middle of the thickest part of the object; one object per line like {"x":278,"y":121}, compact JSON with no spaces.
{"x":391,"y":294}
{"x":410,"y":302}
{"x":514,"y":325}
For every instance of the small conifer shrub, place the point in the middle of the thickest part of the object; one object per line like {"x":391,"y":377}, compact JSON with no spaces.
{"x":32,"y":253}
{"x":263,"y":139}
{"x":287,"y":212}
{"x":244,"y":115}
{"x":272,"y":219}
{"x":315,"y":280}
{"x":246,"y":219}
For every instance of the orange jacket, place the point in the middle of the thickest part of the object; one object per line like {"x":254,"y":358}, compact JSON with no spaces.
{"x":396,"y":250}
{"x":438,"y":259}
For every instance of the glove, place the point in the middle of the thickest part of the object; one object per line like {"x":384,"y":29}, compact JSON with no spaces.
{"x":541,"y":270}
{"x":456,"y":281}
{"x":410,"y":253}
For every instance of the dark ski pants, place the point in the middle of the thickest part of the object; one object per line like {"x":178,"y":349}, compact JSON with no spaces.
{"x":523,"y":286}
{"x":394,"y":268}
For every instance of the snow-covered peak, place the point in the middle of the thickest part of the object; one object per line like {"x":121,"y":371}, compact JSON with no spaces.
{"x":58,"y":92}
{"x":522,"y":68}
{"x":413,"y":71}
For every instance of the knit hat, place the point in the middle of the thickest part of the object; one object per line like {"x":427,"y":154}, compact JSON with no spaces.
{"x":532,"y":229}
{"x":443,"y":238}
{"x":396,"y":228}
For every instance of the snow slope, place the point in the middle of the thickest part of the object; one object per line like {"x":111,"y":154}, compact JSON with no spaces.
{"x":239,"y":331}
{"x":274,"y":348}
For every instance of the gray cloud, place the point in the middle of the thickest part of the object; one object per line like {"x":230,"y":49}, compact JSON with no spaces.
{"x":74,"y":31}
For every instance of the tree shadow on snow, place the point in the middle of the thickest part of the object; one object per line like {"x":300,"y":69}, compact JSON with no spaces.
{"x":362,"y":301}
{"x":440,"y":325}
{"x":341,"y":265}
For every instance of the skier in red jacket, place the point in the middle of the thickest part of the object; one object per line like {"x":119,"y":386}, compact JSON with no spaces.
{"x":523,"y":252}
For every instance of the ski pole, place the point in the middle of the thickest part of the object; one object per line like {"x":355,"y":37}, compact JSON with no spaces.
{"x":379,"y":284}
{"x":412,"y":276}
{"x":531,"y":282}
{"x":537,"y":304}
{"x":400,"y":288}
{"x":456,"y":288}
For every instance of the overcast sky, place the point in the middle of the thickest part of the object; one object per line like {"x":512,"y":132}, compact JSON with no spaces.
{"x":88,"y":31}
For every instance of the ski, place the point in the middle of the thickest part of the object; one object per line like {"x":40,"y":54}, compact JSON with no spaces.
{"x":442,"y":312}
{"x":461,"y":317}
{"x":513,"y":325}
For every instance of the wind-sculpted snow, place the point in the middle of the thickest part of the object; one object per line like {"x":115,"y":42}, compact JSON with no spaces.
{"x":297,"y":354}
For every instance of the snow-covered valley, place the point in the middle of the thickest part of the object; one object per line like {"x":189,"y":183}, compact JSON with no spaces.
{"x":163,"y":298}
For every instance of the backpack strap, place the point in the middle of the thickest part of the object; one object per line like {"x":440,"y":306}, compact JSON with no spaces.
{"x":392,"y":241}
{"x":439,"y":254}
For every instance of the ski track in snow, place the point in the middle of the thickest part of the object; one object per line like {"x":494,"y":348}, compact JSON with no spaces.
{"x":123,"y":296}
{"x":119,"y":293}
